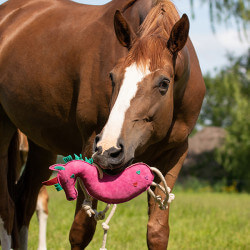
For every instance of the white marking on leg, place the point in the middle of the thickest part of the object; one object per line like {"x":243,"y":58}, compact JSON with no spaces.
{"x":133,"y":75}
{"x":4,"y":237}
{"x":23,"y":236}
{"x":42,"y":220}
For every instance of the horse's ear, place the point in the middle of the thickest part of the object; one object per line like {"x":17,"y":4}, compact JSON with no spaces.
{"x":123,"y":31}
{"x":179,"y":35}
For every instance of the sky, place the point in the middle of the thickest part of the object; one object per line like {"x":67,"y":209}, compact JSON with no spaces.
{"x":211,"y":48}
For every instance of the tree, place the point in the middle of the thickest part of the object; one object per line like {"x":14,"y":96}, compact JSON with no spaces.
{"x":227,"y":105}
{"x":227,"y":10}
{"x":223,"y":91}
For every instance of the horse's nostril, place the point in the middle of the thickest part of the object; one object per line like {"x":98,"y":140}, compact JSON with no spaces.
{"x":115,"y":153}
{"x":97,"y":139}
{"x":118,"y":151}
{"x":120,"y":144}
{"x":97,"y":149}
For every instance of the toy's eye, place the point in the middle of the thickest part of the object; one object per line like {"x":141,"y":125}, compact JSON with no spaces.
{"x":163,"y":86}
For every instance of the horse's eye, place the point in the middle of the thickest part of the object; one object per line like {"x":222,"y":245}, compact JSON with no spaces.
{"x":163,"y":86}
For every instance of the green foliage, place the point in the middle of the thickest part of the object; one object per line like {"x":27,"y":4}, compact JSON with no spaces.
{"x":227,"y":105}
{"x":194,"y":184}
{"x":227,"y":10}
{"x":225,"y":92}
{"x":197,"y":221}
{"x":235,"y":154}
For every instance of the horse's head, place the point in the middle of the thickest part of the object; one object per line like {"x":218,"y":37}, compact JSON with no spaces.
{"x":143,"y":82}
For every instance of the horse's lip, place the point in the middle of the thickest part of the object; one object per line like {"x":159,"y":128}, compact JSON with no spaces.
{"x":115,"y":171}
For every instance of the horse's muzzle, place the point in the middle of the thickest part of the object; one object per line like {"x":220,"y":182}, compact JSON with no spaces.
{"x":109,"y":161}
{"x":112,"y":158}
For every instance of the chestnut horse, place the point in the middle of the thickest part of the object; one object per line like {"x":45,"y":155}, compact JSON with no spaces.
{"x":55,"y":59}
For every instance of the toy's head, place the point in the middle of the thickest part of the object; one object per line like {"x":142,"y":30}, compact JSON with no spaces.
{"x":65,"y":180}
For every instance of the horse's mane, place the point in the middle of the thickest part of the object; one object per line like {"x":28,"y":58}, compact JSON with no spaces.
{"x":160,"y":19}
{"x":153,"y":35}
{"x":127,"y":5}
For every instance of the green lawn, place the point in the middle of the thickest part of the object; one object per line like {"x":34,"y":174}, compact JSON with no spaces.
{"x":197,"y":220}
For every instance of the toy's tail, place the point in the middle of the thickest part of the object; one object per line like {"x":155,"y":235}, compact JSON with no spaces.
{"x":51,"y":182}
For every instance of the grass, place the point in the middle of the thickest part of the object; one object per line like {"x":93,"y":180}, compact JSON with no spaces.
{"x":197,"y":221}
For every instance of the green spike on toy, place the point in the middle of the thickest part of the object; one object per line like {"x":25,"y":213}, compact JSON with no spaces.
{"x":67,"y":158}
{"x":72,"y":176}
{"x":58,"y":187}
{"x":90,"y":160}
{"x":59,"y":168}
{"x":78,"y":157}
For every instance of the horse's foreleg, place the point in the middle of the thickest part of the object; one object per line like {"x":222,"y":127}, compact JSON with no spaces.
{"x":29,"y":184}
{"x":158,"y":224}
{"x":158,"y":227}
{"x":83,"y":227}
{"x":8,"y":165}
{"x":7,"y":207}
{"x":42,"y":216}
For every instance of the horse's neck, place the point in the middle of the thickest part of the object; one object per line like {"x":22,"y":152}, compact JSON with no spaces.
{"x":182,"y":72}
{"x":137,"y":13}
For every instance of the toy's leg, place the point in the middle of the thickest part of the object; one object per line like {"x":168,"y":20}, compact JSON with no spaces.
{"x":42,"y":216}
{"x":83,"y":227}
{"x":28,"y":186}
{"x":158,"y":226}
{"x":8,"y":164}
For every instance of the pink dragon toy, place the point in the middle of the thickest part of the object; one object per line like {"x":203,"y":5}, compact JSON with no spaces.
{"x":111,"y":189}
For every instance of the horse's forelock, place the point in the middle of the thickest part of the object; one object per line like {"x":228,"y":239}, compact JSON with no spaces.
{"x":153,"y":36}
{"x":147,"y":53}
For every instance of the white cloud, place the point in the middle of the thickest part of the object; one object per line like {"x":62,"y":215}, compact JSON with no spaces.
{"x":229,"y":39}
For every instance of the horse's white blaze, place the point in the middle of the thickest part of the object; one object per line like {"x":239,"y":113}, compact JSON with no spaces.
{"x":4,"y":236}
{"x":23,"y":236}
{"x":42,"y":219}
{"x":112,"y":130}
